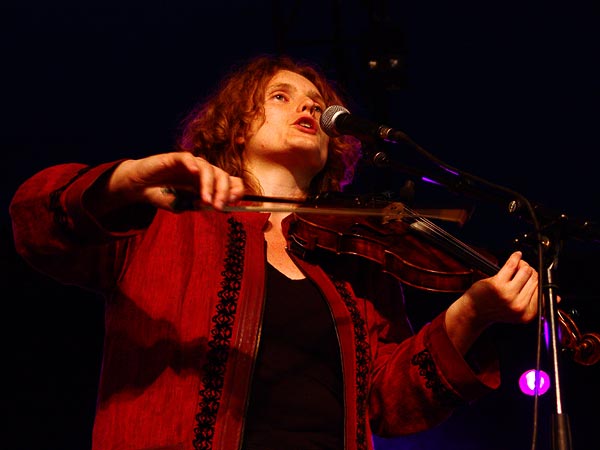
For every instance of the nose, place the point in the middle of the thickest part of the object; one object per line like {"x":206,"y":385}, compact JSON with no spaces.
{"x":308,"y":104}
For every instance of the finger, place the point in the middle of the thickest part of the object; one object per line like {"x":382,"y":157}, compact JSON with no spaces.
{"x":207,"y":181}
{"x":530,"y":285}
{"x":187,"y":160}
{"x":236,"y":189}
{"x":221,"y":189}
{"x":510,"y":267}
{"x":523,"y":274}
{"x":180,"y":169}
{"x":530,"y":293}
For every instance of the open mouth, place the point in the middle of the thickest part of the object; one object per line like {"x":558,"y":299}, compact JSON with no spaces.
{"x":306,"y":123}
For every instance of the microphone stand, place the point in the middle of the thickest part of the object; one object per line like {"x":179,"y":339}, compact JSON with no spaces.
{"x":463,"y":182}
{"x":561,"y":429}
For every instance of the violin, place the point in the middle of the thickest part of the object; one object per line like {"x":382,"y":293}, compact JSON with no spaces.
{"x":405,"y":243}
{"x":420,"y":254}
{"x":378,"y":229}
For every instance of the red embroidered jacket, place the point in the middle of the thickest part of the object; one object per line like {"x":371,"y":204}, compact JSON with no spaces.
{"x":184,"y":295}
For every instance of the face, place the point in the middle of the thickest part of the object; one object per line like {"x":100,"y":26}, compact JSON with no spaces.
{"x":290,"y":134}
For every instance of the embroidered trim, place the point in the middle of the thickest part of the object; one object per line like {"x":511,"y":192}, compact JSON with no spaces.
{"x":427,"y":369}
{"x":59,"y":214}
{"x":363,"y":357}
{"x":219,"y":343}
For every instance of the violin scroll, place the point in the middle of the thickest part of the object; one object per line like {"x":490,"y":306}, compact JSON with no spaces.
{"x":584,"y":347}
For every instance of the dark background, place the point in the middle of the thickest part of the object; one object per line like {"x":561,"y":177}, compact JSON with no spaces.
{"x":508,"y":91}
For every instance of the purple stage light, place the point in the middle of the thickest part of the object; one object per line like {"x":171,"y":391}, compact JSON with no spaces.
{"x":527,"y":382}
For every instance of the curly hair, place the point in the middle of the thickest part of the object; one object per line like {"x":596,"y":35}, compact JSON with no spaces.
{"x":211,"y":128}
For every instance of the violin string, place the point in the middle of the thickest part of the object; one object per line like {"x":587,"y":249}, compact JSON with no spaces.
{"x":445,"y":238}
{"x":435,"y":232}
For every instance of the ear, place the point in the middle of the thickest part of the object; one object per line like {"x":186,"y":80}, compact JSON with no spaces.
{"x":240,"y":140}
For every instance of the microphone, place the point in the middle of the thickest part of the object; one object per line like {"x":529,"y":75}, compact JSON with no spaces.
{"x":337,"y":121}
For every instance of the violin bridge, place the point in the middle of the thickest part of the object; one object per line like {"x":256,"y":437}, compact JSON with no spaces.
{"x":393,"y":212}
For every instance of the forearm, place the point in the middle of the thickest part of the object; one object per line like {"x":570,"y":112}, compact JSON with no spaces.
{"x":110,"y":192}
{"x":52,"y":229}
{"x":463,"y":325}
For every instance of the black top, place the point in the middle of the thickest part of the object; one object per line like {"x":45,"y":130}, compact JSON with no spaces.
{"x":296,"y":400}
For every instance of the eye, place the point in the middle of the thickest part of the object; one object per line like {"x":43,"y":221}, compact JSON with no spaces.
{"x":318,"y":108}
{"x":281,"y":97}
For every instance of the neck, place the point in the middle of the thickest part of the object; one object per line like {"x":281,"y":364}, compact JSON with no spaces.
{"x":280,"y":181}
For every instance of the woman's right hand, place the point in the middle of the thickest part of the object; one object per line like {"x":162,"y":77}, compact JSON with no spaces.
{"x":157,"y":179}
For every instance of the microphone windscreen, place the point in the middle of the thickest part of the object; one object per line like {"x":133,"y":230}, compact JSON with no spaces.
{"x":329,"y":117}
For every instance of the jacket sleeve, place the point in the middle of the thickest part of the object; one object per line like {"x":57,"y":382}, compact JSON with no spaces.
{"x":56,"y":235}
{"x":420,"y":379}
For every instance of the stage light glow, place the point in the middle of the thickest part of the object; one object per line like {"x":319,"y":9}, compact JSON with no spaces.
{"x":527,"y":382}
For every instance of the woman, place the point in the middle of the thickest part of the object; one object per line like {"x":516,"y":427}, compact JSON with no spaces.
{"x":218,"y":336}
